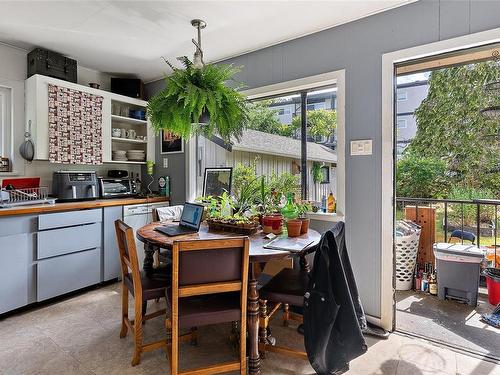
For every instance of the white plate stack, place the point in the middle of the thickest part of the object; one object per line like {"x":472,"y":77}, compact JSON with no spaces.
{"x":136,"y":155}
{"x":119,"y":155}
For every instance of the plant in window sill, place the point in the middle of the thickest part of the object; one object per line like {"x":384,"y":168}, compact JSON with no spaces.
{"x":193,"y":93}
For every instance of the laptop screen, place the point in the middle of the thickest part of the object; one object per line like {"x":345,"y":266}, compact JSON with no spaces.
{"x":191,"y":215}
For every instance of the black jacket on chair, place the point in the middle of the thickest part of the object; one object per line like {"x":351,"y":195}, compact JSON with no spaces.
{"x":333,"y":315}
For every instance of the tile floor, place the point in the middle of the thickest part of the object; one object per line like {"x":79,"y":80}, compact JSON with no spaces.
{"x":80,"y":336}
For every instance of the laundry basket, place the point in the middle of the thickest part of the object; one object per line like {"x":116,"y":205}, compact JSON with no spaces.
{"x":407,"y":241}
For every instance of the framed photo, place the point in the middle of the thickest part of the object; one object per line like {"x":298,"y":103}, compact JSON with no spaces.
{"x":170,"y":143}
{"x":217,"y":181}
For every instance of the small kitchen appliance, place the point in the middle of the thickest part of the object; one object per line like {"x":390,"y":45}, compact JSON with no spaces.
{"x":117,"y":173}
{"x":116,"y":187}
{"x":75,"y":185}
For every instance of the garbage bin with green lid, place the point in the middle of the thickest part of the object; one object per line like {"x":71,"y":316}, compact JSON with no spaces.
{"x":458,"y":270}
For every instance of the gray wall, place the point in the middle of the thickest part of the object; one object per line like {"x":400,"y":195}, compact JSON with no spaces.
{"x":358,"y":47}
{"x":176,"y":162}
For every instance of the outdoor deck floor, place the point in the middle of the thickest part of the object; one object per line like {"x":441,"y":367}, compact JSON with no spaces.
{"x":447,"y":321}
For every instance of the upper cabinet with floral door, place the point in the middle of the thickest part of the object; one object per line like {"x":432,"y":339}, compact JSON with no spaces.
{"x":76,"y":124}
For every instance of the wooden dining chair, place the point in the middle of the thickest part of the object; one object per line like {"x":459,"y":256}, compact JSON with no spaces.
{"x":209,"y":286}
{"x":285,"y":289}
{"x":141,"y":287}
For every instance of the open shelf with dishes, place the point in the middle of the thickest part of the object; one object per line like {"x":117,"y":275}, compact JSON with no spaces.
{"x":129,"y":132}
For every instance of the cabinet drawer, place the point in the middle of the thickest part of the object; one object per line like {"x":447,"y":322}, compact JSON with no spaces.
{"x":67,"y":219}
{"x":68,"y":240}
{"x":67,"y":273}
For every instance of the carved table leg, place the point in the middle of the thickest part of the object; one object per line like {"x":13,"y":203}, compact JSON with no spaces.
{"x":149,"y":251}
{"x":304,"y":264}
{"x":253,"y":324}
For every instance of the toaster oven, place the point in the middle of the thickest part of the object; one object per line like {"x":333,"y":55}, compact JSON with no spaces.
{"x":116,"y":187}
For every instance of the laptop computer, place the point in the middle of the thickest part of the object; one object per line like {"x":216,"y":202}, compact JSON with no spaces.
{"x":189,"y":223}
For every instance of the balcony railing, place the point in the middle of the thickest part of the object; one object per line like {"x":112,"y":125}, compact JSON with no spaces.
{"x":474,"y":220}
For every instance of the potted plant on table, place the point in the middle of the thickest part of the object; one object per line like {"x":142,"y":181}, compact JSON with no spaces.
{"x":302,"y":208}
{"x":290,"y":214}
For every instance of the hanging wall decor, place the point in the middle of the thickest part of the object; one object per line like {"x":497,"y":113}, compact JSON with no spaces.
{"x":75,"y":126}
{"x":198,"y":100}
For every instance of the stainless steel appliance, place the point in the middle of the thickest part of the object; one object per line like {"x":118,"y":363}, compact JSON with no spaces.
{"x":116,"y":187}
{"x":74,"y":185}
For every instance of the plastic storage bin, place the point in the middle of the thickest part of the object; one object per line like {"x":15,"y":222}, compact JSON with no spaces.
{"x":407,"y":242}
{"x":458,"y":270}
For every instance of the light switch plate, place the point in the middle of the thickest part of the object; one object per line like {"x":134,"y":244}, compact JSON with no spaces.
{"x":361,"y":147}
{"x":165,"y":162}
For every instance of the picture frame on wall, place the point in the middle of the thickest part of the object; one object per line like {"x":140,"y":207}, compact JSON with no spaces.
{"x":170,"y":143}
{"x":217,"y":181}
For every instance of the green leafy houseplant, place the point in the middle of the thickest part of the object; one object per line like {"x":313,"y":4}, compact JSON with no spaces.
{"x":317,"y":173}
{"x":192,"y":92}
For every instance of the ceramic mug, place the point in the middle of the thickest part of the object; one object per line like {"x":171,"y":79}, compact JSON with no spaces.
{"x":116,"y":132}
{"x":131,"y":134}
{"x":123,"y":133}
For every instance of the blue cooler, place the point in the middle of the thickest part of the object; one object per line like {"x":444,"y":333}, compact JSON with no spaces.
{"x":458,"y":271}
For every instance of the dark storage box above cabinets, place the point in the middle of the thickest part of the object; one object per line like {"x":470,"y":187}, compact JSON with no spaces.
{"x":131,"y":87}
{"x":51,"y":64}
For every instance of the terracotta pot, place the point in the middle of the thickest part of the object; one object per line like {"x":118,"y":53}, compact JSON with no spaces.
{"x":294,"y":227}
{"x":305,"y":225}
{"x":272,"y":224}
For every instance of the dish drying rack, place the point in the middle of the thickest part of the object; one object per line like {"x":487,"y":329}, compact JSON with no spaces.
{"x":22,"y":197}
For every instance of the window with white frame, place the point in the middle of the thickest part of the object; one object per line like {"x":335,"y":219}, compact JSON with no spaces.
{"x":272,"y":104}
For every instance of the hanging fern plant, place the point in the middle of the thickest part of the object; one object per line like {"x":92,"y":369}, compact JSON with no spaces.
{"x":195,"y":91}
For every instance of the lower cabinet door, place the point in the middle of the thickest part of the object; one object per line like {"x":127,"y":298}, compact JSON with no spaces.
{"x":16,"y":254}
{"x":66,"y":273}
{"x":111,"y":254}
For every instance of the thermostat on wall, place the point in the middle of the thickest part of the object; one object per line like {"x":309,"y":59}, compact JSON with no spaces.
{"x":361,"y":147}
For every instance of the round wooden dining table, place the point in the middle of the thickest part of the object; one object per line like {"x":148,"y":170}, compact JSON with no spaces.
{"x":153,"y":240}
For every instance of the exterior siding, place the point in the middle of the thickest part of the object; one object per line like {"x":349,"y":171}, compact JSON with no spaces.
{"x":213,"y":155}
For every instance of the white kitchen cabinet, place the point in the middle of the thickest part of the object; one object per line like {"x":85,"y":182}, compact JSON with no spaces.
{"x":37,"y":114}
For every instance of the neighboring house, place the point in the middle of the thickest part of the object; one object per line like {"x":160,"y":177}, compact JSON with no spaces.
{"x":408,"y":99}
{"x":277,"y":154}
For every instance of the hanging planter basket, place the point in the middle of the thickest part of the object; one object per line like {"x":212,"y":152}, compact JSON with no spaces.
{"x":198,"y":99}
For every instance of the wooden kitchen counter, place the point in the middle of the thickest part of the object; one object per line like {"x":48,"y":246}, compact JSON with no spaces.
{"x":71,"y":206}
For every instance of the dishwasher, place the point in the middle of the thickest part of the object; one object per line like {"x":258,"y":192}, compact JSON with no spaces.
{"x":136,"y":216}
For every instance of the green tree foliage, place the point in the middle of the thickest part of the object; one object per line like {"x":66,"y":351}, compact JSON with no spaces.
{"x":320,"y":122}
{"x":421,"y":177}
{"x":451,"y":127}
{"x":263,"y":118}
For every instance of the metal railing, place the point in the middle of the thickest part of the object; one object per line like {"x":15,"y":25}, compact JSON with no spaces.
{"x":484,"y":211}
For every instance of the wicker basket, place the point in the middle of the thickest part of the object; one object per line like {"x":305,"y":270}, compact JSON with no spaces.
{"x":406,"y":254}
{"x":246,"y":229}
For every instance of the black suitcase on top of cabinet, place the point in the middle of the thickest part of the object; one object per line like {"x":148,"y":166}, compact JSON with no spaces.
{"x":52,"y":64}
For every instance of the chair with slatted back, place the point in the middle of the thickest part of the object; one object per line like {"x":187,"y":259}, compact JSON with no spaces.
{"x":209,"y":286}
{"x":142,"y":289}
